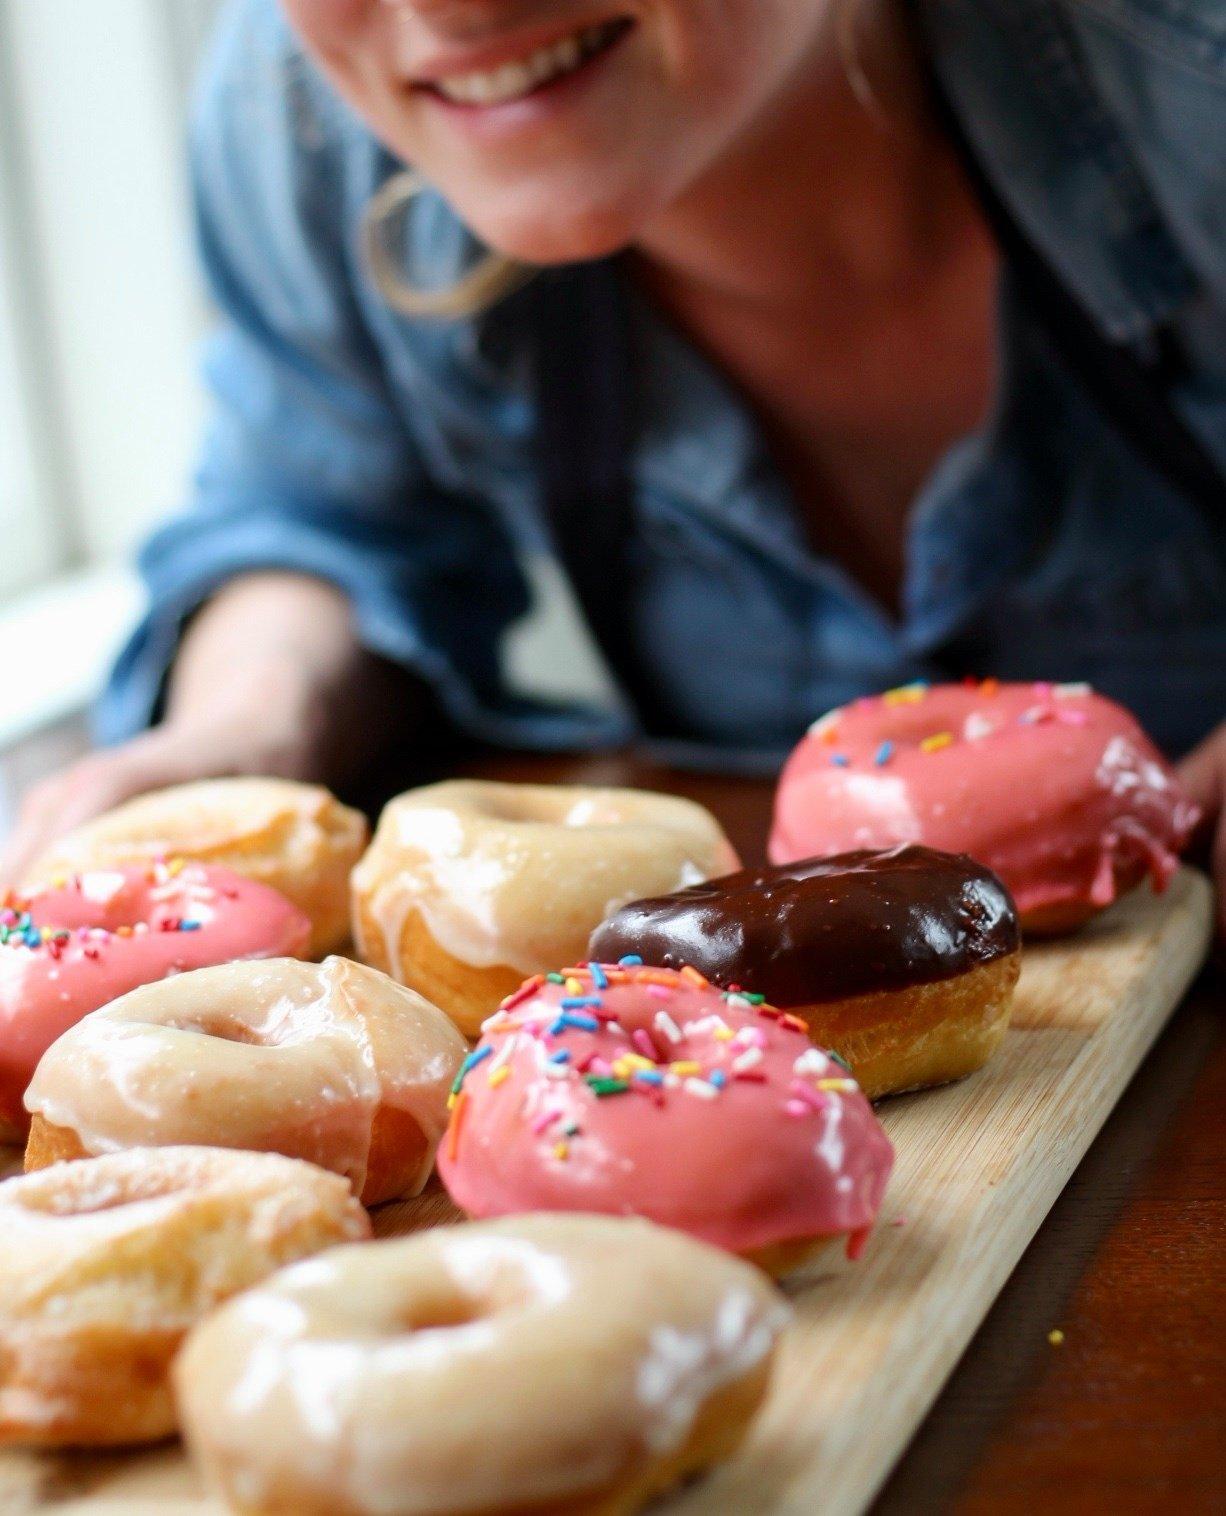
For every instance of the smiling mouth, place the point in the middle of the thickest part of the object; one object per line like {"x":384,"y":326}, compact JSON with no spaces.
{"x":537,"y":69}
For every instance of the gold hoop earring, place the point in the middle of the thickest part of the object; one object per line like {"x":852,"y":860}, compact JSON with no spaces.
{"x":491,"y":280}
{"x":846,"y":17}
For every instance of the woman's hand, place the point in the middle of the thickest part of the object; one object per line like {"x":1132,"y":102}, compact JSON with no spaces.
{"x":1203,"y":772}
{"x":170,"y":754}
{"x":270,"y":680}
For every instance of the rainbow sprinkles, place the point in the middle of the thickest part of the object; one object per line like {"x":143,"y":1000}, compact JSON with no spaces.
{"x":21,"y":930}
{"x":1050,"y":704}
{"x":629,"y":1089}
{"x":699,"y":1058}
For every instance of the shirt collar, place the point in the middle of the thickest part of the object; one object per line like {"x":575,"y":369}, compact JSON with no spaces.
{"x":1015,"y":73}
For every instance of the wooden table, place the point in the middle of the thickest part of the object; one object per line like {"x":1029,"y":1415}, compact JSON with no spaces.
{"x":1129,"y":1412}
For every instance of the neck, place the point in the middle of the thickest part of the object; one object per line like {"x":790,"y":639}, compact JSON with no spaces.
{"x":842,"y":185}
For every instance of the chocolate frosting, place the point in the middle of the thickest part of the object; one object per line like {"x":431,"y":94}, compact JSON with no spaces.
{"x":825,"y":928}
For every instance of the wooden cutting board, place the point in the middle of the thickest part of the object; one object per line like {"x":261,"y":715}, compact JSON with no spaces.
{"x":979,"y":1165}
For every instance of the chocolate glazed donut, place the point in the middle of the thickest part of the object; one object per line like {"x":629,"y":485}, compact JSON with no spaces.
{"x":903,"y":961}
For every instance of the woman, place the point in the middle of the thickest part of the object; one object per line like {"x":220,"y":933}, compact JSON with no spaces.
{"x":910,"y":362}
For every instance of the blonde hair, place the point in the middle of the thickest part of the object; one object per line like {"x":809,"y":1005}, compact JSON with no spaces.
{"x":490,"y":280}
{"x":847,"y":14}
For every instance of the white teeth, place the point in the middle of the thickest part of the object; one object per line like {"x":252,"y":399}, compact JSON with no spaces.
{"x":511,"y":80}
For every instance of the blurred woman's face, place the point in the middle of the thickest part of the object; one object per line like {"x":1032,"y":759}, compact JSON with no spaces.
{"x":558,"y":129}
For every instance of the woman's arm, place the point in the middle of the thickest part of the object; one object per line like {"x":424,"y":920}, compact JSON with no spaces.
{"x":273,"y":665}
{"x":270,"y":679}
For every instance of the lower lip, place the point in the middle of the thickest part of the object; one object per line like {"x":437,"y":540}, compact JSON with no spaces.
{"x":541,"y":106}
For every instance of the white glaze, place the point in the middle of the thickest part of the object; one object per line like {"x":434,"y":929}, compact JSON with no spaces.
{"x":278,"y":1055}
{"x":518,"y":875}
{"x":584,"y":1346}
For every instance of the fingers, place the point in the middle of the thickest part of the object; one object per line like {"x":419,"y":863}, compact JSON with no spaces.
{"x":1217,"y":867}
{"x":1203,"y":773}
{"x":246,"y":738}
{"x":85,"y":789}
{"x":240,"y":742}
{"x":64,"y":800}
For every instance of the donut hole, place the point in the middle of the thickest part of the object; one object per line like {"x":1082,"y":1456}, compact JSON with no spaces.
{"x":441,"y":1313}
{"x":224,"y":1028}
{"x":524,"y":806}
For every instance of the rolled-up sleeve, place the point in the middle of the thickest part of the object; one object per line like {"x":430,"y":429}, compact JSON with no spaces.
{"x":306,"y":464}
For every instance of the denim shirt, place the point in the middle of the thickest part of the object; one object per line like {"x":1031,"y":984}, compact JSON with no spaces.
{"x":393,"y":456}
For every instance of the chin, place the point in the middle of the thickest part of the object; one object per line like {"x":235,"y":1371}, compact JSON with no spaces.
{"x":552,"y":226}
{"x":573,"y":240}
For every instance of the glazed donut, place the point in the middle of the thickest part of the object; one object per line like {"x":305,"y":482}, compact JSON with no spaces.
{"x":106,"y":1263}
{"x":67,"y":950}
{"x":471,"y":886}
{"x":902,"y":961}
{"x":1053,"y":787}
{"x":545,"y":1364}
{"x":295,"y":838}
{"x":628,"y":1090}
{"x":328,"y":1062}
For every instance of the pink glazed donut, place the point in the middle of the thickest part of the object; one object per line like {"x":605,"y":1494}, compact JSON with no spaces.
{"x":644,"y":1091}
{"x":1053,"y":787}
{"x":67,"y":950}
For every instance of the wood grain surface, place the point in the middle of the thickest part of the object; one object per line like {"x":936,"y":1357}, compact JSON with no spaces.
{"x":979,"y":1165}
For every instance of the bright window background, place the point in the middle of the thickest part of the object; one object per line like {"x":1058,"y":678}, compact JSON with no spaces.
{"x":101,"y":312}
{"x":99,"y":303}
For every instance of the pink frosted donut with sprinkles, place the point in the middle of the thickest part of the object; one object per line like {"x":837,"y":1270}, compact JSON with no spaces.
{"x":1053,"y":787}
{"x":67,"y":950}
{"x":626,"y":1090}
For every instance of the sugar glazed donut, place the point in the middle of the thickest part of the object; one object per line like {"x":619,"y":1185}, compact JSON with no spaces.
{"x":903,"y":961}
{"x":628,"y":1090}
{"x":296,"y":838}
{"x":546,"y":1364}
{"x":67,"y":950}
{"x":331,"y":1062}
{"x":469,"y":887}
{"x":1053,"y":787}
{"x":106,"y":1263}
